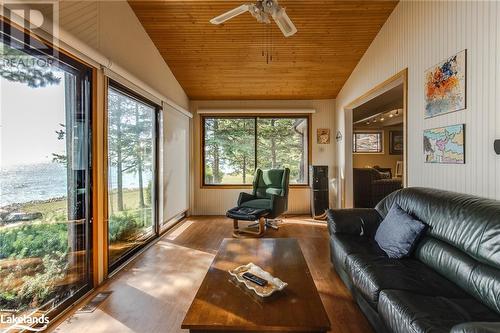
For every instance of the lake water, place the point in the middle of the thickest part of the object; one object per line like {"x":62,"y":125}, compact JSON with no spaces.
{"x":25,"y":183}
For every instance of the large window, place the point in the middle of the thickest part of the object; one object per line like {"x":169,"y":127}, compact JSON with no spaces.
{"x":233,"y":147}
{"x":132,"y":159}
{"x":367,"y":142}
{"x":45,"y":179}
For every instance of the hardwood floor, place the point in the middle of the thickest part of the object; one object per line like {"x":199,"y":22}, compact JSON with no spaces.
{"x":154,"y":292}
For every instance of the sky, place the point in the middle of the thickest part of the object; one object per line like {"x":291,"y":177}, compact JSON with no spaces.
{"x":29,"y":118}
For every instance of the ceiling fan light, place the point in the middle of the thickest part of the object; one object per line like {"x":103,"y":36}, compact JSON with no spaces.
{"x":230,"y":14}
{"x":284,"y":23}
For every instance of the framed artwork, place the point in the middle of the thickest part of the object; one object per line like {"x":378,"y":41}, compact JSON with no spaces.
{"x":396,"y":142}
{"x":445,"y":86}
{"x":445,"y":145}
{"x":323,"y":136}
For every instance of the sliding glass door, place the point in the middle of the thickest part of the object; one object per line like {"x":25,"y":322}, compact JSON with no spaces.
{"x":132,"y":177}
{"x":45,"y":179}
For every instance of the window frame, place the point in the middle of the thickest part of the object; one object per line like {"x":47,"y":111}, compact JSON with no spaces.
{"x":86,"y":74}
{"x":379,"y":132}
{"x":114,"y":267}
{"x":255,"y":116}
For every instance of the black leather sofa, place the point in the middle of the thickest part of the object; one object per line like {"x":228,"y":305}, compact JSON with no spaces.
{"x":451,"y":283}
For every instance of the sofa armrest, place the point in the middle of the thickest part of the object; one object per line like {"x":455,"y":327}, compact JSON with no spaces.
{"x":476,"y":327}
{"x":355,"y":221}
{"x":244,"y":197}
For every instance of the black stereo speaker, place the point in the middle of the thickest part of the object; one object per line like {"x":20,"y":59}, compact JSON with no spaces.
{"x":497,"y":147}
{"x":318,"y":175}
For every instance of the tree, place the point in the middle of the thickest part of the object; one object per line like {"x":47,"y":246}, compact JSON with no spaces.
{"x":212,"y":151}
{"x":61,"y":135}
{"x":281,"y":145}
{"x":237,"y":143}
{"x":130,"y":142}
{"x":230,"y":145}
{"x":17,"y":66}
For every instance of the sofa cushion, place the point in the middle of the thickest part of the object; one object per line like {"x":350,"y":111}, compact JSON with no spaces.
{"x":345,"y":244}
{"x":404,"y":311}
{"x":465,"y":234}
{"x":246,"y":213}
{"x":371,"y":274}
{"x":477,"y":327}
{"x":398,"y":233}
{"x":479,"y":280}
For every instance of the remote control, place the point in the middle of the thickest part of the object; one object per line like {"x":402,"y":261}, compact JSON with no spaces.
{"x":255,"y":279}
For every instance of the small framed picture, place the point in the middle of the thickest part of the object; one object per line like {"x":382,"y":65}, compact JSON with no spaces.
{"x":396,"y":142}
{"x":323,"y":136}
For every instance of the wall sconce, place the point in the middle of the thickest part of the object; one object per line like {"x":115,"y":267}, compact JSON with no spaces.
{"x":338,"y":136}
{"x":497,"y":147}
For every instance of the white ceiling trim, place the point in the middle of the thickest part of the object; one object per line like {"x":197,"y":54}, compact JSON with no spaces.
{"x":254,"y":111}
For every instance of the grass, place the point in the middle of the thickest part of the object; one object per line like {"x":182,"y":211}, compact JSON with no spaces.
{"x":45,"y":207}
{"x":236,"y":179}
{"x":130,"y":201}
{"x":36,"y":263}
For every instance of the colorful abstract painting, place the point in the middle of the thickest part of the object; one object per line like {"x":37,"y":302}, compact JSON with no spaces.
{"x":445,"y":86}
{"x":445,"y":144}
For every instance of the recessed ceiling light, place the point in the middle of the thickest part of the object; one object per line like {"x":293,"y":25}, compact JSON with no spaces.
{"x":391,"y":115}
{"x":382,"y":119}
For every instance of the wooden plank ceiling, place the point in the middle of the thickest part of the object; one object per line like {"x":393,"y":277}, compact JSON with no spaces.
{"x":226,"y":62}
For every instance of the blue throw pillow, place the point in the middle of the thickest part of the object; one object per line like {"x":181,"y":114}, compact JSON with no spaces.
{"x":398,"y":233}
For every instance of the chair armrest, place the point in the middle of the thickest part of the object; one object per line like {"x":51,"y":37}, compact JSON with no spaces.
{"x":244,"y":197}
{"x":355,"y":221}
{"x":279,"y":204}
{"x":476,"y":327}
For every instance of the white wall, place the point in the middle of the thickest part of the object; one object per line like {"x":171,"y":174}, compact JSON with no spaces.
{"x":218,"y":201}
{"x":112,"y":29}
{"x":420,"y":34}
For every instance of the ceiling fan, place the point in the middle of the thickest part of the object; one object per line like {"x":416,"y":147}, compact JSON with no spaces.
{"x":262,"y":10}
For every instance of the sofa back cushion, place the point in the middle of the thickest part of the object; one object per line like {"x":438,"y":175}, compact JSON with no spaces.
{"x":462,"y":240}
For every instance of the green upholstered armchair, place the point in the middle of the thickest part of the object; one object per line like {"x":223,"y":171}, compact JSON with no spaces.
{"x":270,"y":191}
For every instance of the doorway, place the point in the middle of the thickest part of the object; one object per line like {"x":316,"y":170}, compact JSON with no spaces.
{"x":376,"y":143}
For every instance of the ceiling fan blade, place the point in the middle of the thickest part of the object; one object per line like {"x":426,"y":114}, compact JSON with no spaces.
{"x":230,"y":14}
{"x":284,"y":23}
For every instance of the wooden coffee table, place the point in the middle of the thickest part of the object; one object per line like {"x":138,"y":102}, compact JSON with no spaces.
{"x":224,"y":305}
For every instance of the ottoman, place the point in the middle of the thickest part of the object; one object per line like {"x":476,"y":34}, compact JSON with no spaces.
{"x":248,"y":214}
